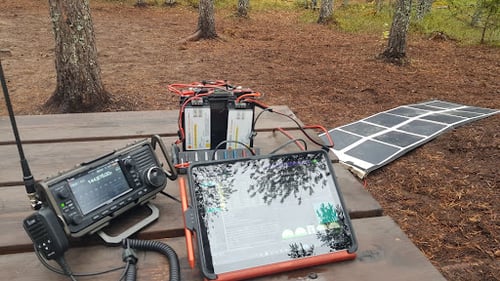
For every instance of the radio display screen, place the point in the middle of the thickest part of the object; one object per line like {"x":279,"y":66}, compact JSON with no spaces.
{"x":99,"y":186}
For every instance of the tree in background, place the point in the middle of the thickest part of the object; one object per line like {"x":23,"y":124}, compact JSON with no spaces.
{"x":486,"y":16}
{"x":396,"y":48}
{"x":325,"y":11}
{"x":243,"y":8}
{"x":483,"y":15}
{"x":423,"y":8}
{"x":79,"y":86}
{"x":206,"y":22}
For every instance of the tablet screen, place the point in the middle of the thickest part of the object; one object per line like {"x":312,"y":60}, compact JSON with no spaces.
{"x":268,"y":209}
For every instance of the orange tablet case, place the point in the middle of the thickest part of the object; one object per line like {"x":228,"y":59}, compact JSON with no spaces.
{"x":265,"y":214}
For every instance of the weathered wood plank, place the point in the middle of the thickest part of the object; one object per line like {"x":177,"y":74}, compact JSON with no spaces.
{"x":385,"y":253}
{"x":47,"y":159}
{"x":359,"y":202}
{"x":111,"y":125}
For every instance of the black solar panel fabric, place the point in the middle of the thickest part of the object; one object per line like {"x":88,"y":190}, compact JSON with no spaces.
{"x":377,"y":140}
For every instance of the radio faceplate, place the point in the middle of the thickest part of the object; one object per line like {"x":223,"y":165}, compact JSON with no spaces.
{"x":87,"y":197}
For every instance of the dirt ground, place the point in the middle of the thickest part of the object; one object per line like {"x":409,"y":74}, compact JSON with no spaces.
{"x":444,"y":195}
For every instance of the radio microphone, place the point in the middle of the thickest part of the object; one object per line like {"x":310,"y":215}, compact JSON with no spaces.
{"x":29,"y":181}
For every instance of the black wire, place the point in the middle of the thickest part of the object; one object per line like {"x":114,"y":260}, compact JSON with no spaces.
{"x":58,"y":271}
{"x":170,"y":196}
{"x":231,"y":141}
{"x":295,"y":121}
{"x":124,"y":273}
{"x":287,"y":143}
{"x":160,"y":247}
{"x":46,"y":264}
{"x":260,"y":113}
{"x":65,"y":267}
{"x":254,"y":133}
{"x":303,"y":131}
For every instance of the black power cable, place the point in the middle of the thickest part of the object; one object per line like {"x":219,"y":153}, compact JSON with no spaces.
{"x":156,"y":246}
{"x":326,"y":147}
{"x":299,"y":126}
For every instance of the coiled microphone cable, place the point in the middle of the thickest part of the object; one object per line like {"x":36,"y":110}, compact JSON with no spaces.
{"x":149,"y":245}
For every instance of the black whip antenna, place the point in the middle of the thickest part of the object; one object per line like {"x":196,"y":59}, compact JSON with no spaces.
{"x":29,"y":181}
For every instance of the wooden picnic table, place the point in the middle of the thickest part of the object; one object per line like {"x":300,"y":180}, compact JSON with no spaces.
{"x":58,"y":142}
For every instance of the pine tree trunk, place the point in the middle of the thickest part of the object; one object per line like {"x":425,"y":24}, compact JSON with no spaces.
{"x":396,"y":49}
{"x":206,"y":20}
{"x":423,"y":8}
{"x":79,"y":85}
{"x":243,"y":8}
{"x":326,"y":11}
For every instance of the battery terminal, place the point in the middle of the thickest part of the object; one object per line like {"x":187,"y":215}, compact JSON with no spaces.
{"x":197,"y":101}
{"x":240,"y":105}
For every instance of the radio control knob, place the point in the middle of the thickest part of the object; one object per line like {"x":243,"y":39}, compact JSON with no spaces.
{"x":74,"y":219}
{"x":129,"y":163}
{"x":63,"y":193}
{"x":77,"y":219}
{"x":155,"y":177}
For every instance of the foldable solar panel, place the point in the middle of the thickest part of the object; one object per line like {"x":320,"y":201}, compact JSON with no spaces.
{"x":374,"y":141}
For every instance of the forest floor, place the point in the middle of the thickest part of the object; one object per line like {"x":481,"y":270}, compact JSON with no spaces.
{"x":444,"y":195}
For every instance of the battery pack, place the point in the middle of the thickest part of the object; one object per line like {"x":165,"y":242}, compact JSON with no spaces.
{"x":197,"y":128}
{"x":239,"y":128}
{"x":217,"y":121}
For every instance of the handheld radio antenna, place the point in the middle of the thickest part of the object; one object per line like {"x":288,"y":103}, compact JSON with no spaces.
{"x":29,"y":181}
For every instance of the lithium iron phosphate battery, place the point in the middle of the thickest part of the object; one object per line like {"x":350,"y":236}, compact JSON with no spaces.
{"x":197,"y":127}
{"x":239,"y":127}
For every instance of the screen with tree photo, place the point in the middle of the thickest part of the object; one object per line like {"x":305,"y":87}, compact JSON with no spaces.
{"x":268,"y":209}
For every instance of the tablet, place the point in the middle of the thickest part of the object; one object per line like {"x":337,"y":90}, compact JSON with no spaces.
{"x":267,"y":214}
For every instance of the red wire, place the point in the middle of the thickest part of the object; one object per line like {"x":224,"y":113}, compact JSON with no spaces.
{"x":184,"y":90}
{"x":181,"y":112}
{"x":260,"y":104}
{"x":291,"y":137}
{"x":245,"y":96}
{"x":177,"y":88}
{"x":182,"y":165}
{"x":322,"y":129}
{"x":264,"y":106}
{"x":221,"y":84}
